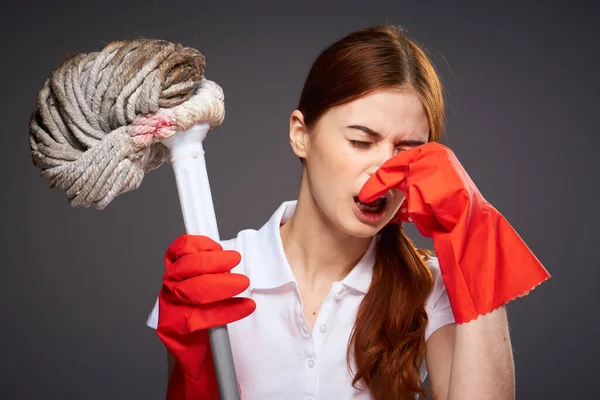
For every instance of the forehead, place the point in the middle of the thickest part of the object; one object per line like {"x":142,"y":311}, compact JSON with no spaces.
{"x":393,"y":111}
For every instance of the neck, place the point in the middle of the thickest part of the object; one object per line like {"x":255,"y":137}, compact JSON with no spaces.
{"x":317,"y":251}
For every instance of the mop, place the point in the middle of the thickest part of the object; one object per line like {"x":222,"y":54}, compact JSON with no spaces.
{"x":106,"y":118}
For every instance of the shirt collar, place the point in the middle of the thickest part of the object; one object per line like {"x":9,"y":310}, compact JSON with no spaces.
{"x":269,"y":267}
{"x":361,"y":275}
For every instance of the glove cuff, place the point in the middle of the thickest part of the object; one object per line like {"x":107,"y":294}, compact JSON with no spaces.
{"x":486,"y":268}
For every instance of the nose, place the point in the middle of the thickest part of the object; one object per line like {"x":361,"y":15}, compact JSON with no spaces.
{"x":379,"y":158}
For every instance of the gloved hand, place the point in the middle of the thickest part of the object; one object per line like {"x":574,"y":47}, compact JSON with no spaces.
{"x":483,"y":261}
{"x":197,"y":294}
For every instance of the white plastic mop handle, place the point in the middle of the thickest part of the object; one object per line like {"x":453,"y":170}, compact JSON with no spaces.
{"x":189,"y":165}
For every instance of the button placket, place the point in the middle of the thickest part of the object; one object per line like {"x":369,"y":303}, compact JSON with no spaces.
{"x":309,"y":376}
{"x":300,"y":314}
{"x":325,"y":314}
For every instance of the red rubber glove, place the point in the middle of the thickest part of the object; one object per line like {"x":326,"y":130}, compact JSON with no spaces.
{"x":484,"y":262}
{"x":197,"y":294}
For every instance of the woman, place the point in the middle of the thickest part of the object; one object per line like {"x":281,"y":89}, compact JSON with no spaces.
{"x":330,"y":299}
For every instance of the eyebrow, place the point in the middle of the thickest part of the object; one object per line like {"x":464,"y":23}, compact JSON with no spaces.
{"x":378,"y":136}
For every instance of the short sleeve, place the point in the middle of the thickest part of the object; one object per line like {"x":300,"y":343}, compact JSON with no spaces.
{"x":437,"y":305}
{"x":152,"y":320}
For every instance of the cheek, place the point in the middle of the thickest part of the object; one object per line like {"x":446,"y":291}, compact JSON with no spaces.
{"x":336,"y":165}
{"x":334,"y":159}
{"x":348,"y":172}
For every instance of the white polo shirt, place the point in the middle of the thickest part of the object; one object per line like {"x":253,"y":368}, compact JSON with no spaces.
{"x":276,"y":356}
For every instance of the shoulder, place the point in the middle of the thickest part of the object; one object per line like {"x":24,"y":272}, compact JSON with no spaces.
{"x":433,"y":264}
{"x":438,"y":288}
{"x":242,"y":243}
{"x":242,"y":238}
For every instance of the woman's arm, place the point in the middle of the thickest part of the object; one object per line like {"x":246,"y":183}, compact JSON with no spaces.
{"x":472,"y":360}
{"x":482,"y":366}
{"x":439,"y":351}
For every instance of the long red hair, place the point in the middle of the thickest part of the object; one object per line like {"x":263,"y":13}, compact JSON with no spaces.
{"x":388,"y":338}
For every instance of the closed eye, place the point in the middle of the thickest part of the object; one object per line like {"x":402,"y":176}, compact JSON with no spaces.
{"x":364,"y":145}
{"x":359,"y":143}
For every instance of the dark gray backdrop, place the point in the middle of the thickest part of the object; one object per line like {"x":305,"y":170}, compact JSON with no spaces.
{"x":522,"y":90}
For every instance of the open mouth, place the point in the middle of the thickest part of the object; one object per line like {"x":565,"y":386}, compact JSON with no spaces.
{"x":375,"y":206}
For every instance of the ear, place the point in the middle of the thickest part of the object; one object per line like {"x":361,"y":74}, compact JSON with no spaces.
{"x":298,"y":134}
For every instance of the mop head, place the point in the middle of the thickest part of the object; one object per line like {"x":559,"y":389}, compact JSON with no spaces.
{"x":101,"y":116}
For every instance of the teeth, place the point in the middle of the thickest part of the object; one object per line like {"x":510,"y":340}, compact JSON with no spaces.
{"x":382,"y":198}
{"x":374,"y":206}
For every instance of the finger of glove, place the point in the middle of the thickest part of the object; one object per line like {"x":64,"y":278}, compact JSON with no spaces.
{"x":439,"y":164}
{"x":188,"y":244}
{"x":414,"y":208}
{"x":439,"y":186}
{"x":200,"y":263}
{"x":220,"y":313}
{"x":211,"y":288}
{"x":391,"y":174}
{"x":379,"y":183}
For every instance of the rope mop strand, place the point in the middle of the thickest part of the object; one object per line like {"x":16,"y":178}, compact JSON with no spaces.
{"x":101,"y":116}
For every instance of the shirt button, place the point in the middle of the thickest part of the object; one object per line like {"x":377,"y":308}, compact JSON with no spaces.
{"x":337,"y":289}
{"x":311,"y":363}
{"x":323,"y":328}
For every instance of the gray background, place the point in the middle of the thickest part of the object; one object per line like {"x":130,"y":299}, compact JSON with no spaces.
{"x":522,"y":93}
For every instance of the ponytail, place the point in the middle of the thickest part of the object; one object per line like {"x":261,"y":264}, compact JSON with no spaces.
{"x":388,"y":337}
